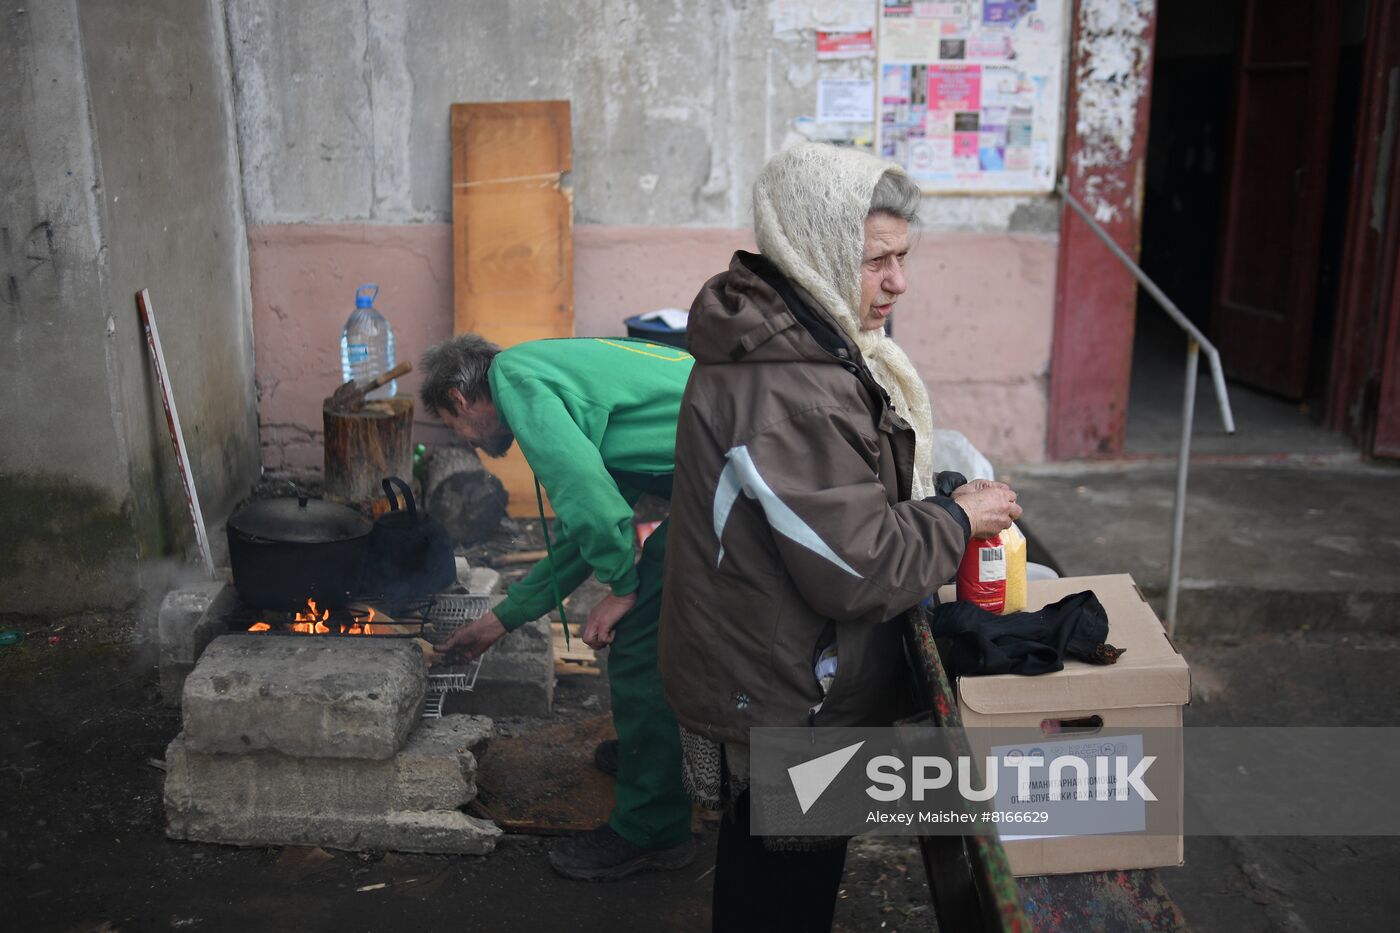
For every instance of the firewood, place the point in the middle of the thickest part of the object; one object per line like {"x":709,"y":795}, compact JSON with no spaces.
{"x":521,"y":557}
{"x":470,"y":502}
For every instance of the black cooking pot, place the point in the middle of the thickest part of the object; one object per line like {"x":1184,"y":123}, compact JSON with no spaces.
{"x":410,"y":554}
{"x":286,"y":551}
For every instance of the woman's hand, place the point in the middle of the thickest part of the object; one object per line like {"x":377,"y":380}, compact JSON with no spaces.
{"x":990,"y":506}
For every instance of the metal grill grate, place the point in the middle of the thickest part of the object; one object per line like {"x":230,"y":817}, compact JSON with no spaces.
{"x":449,"y":613}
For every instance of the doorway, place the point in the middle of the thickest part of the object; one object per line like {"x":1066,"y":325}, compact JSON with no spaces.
{"x":1248,"y":172}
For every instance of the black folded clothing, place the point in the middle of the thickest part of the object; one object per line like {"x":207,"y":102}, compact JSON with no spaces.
{"x":973,"y":641}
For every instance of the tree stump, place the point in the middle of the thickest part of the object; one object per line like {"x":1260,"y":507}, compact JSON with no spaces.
{"x":363,"y":447}
{"x":460,"y":493}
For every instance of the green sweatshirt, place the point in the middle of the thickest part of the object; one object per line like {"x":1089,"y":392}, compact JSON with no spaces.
{"x":596,"y":420}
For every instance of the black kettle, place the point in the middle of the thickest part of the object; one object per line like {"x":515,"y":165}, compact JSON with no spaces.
{"x":410,"y":556}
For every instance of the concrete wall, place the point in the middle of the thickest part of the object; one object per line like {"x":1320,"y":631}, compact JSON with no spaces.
{"x":342,"y":112}
{"x":343,"y":104}
{"x":252,"y":161}
{"x":120,"y":170}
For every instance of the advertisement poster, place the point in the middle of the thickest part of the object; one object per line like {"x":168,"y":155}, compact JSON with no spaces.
{"x":832,"y":46}
{"x":969,"y":93}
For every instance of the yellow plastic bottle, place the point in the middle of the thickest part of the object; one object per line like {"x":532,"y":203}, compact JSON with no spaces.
{"x":1015,"y":544}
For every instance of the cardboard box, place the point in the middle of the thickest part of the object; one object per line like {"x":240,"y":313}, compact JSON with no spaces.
{"x":1146,"y":689}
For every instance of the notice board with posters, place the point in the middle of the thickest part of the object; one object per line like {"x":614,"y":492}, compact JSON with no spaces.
{"x":969,"y":93}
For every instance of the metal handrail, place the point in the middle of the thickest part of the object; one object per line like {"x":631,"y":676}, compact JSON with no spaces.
{"x":1195,"y":342}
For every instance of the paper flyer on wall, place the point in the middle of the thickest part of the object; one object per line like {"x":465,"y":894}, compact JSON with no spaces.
{"x":834,"y":15}
{"x":845,"y":100}
{"x":969,"y":96}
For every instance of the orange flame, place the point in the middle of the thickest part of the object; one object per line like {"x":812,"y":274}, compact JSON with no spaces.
{"x":310,"y":622}
{"x":313,"y":621}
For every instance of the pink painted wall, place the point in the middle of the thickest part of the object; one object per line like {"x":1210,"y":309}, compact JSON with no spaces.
{"x":622,"y":271}
{"x":976,"y":321}
{"x":303,"y":281}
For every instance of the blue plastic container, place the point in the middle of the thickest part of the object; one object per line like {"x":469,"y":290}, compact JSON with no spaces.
{"x":655,"y":330}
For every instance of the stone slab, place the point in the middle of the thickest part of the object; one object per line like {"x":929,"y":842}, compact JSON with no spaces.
{"x":444,"y":832}
{"x":307,"y":696}
{"x":436,"y":770}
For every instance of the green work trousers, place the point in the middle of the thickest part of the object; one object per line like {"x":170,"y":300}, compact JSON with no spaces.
{"x":652,"y":808}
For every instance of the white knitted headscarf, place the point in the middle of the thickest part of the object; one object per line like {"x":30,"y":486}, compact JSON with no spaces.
{"x":809,"y":207}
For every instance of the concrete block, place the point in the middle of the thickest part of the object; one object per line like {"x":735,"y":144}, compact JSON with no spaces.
{"x":484,"y":580}
{"x":406,"y":803}
{"x":435,"y":770}
{"x":180,"y":613}
{"x":419,"y":781}
{"x":190,"y":617}
{"x":316,"y":697}
{"x":517,"y":675}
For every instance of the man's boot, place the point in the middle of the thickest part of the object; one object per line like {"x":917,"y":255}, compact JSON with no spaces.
{"x":605,"y":757}
{"x":602,"y":855}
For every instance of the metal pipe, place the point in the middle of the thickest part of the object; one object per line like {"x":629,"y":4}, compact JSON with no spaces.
{"x":1217,"y":373}
{"x":1217,"y":378}
{"x":1183,"y":460}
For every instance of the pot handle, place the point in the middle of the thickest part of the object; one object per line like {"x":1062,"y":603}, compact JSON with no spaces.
{"x":389,"y":483}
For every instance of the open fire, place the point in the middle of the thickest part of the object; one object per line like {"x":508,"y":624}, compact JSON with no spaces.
{"x":314,"y":620}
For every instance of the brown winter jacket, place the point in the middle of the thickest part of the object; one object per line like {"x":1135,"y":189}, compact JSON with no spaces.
{"x":790,"y":525}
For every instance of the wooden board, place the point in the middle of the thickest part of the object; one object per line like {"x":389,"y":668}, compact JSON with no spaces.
{"x":512,"y":238}
{"x":573,"y":656}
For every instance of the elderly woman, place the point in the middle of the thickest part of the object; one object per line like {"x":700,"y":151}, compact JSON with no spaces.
{"x":803,"y":522}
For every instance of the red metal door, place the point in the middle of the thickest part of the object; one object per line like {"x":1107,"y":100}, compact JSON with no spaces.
{"x":1364,"y":392}
{"x":1387,"y":437}
{"x":1266,"y":286}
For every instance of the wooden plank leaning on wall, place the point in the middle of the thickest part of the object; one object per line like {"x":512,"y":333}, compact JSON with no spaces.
{"x":512,"y":238}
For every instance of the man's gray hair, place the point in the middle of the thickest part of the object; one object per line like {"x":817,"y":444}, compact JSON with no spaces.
{"x":896,"y":193}
{"x":460,"y":363}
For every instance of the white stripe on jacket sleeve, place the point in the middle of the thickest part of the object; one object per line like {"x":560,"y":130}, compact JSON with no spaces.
{"x":740,"y":474}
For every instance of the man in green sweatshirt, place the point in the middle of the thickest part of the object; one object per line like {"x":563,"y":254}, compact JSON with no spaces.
{"x":596,"y":421}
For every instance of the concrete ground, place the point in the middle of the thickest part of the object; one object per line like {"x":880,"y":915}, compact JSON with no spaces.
{"x":1264,"y":424}
{"x":1269,"y":546}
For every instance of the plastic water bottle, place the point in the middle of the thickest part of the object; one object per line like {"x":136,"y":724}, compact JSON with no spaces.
{"x":367,"y":344}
